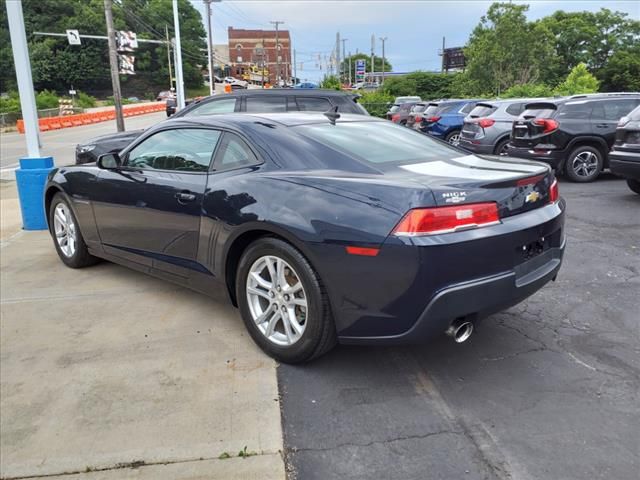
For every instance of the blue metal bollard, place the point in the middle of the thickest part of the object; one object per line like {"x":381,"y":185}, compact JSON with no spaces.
{"x":31,"y":178}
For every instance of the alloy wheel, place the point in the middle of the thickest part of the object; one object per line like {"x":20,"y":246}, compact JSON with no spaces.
{"x":65,"y":230}
{"x":585,"y":164}
{"x":454,"y":139}
{"x":277,"y":300}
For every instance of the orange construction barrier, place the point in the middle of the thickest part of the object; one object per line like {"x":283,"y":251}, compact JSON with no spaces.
{"x":66,"y":121}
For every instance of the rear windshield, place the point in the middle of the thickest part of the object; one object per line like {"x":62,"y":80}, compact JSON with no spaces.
{"x":418,"y":108}
{"x":394,"y":108}
{"x":482,"y":111}
{"x":537,"y":113}
{"x":379,"y":142}
{"x":431,"y":110}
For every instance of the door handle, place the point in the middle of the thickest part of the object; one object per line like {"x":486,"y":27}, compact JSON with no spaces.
{"x":185,"y":196}
{"x":602,"y":125}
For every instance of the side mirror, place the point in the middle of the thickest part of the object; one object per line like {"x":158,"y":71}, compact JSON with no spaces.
{"x":109,"y":161}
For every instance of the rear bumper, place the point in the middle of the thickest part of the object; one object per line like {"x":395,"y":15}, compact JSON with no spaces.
{"x":501,"y":278}
{"x":551,"y":157}
{"x":485,"y":149}
{"x":625,"y":164}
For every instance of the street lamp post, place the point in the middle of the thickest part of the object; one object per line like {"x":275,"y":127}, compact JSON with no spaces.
{"x":383,"y":39}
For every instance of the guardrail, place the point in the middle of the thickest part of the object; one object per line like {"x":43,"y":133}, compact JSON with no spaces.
{"x":66,"y":121}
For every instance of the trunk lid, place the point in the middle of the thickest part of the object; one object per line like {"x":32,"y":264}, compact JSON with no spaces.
{"x":516,"y":186}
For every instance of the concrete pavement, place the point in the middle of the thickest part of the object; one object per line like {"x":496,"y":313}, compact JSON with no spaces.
{"x":107,"y":373}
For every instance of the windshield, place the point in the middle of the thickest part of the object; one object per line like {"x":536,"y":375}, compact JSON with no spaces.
{"x":379,"y":142}
{"x":431,"y":110}
{"x":394,"y":108}
{"x":482,"y":110}
{"x":419,"y":108}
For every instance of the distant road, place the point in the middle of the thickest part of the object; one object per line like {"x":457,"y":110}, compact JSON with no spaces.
{"x":60,"y":144}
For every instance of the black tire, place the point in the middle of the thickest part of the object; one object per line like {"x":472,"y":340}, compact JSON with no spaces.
{"x":501,"y":146}
{"x":403,"y":123}
{"x":634,"y":185}
{"x":452,"y":136}
{"x":572,"y":167}
{"x":81,"y":257}
{"x":319,"y":335}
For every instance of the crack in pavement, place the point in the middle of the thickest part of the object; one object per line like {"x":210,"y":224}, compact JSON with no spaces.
{"x":374,"y":442}
{"x":135,"y":464}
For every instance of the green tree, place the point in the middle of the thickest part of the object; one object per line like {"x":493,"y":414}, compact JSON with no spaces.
{"x":57,"y":65}
{"x":578,"y":81}
{"x":591,"y":38}
{"x":331,"y":82}
{"x":367,"y":65}
{"x":505,"y":50}
{"x":427,"y":85}
{"x":376,"y":103}
{"x":622,"y":71}
{"x":528,"y":90}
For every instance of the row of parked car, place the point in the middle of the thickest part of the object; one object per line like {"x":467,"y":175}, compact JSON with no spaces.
{"x":573,"y":134}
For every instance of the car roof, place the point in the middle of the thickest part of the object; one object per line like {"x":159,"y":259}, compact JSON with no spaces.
{"x":286,"y":119}
{"x":280,"y":92}
{"x":591,"y":97}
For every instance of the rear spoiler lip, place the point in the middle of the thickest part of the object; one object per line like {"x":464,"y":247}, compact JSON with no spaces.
{"x":541,"y":106}
{"x":486,"y":104}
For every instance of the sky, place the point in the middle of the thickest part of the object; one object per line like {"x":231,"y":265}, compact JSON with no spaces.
{"x":414,"y":29}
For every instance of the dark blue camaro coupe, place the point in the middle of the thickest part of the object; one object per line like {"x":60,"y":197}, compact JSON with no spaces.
{"x":320,"y":228}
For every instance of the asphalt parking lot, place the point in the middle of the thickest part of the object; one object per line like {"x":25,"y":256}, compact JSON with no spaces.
{"x":546,"y":390}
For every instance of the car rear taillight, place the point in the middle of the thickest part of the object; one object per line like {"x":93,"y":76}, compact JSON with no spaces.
{"x":433,"y":118}
{"x":554,"y":192}
{"x":395,"y":118}
{"x":418,"y":118}
{"x":486,"y":122}
{"x":437,"y":220}
{"x":548,"y":124}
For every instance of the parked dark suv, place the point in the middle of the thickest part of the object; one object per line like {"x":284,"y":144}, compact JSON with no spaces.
{"x":573,"y":135}
{"x":625,"y":157}
{"x":253,"y":101}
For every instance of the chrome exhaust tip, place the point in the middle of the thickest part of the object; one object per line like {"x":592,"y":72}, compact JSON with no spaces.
{"x":460,"y":330}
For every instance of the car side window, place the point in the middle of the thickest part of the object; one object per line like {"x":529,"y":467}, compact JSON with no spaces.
{"x":515,"y":109}
{"x":576,"y":111}
{"x":233,"y":153}
{"x":266,"y":104}
{"x":178,"y":149}
{"x":224,"y":105}
{"x":467,"y":108}
{"x":615,"y":109}
{"x":313,"y":104}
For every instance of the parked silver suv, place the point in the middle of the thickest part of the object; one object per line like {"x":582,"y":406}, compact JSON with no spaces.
{"x":488,"y":126}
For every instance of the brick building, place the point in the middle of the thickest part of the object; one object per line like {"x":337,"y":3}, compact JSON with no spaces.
{"x":253,"y":47}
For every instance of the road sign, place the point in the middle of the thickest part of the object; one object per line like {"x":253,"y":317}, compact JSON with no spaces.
{"x":126,"y":41}
{"x":74,"y":37}
{"x":360,"y":68}
{"x":126,"y":64}
{"x":453,"y":58}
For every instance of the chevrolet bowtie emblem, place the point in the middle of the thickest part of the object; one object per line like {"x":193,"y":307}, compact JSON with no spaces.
{"x":532,"y":197}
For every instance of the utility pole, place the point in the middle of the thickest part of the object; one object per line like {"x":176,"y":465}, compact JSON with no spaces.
{"x":295,"y":68}
{"x":350,"y":69}
{"x":166,"y":33}
{"x":442,"y":68}
{"x":276,"y":23}
{"x":178,"y":51}
{"x":264,"y":52}
{"x":207,"y":4}
{"x":338,"y":67}
{"x":373,"y":61}
{"x":344,"y":58}
{"x":383,"y":39}
{"x":113,"y":62}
